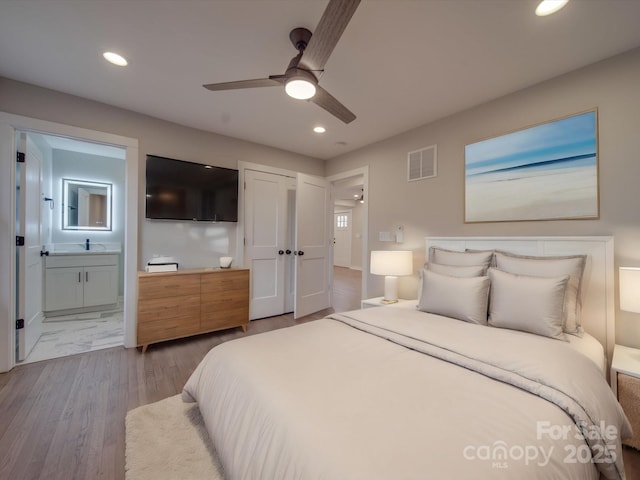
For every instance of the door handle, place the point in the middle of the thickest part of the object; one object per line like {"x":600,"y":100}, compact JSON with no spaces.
{"x":79,"y":277}
{"x":288,"y":252}
{"x":44,"y":253}
{"x":280,"y":252}
{"x":300,"y":253}
{"x":86,"y":276}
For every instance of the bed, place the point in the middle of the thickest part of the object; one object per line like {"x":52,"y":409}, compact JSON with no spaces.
{"x":402,"y":392}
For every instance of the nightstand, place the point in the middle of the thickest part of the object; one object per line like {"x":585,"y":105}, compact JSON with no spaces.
{"x":625,"y":382}
{"x":377,"y":302}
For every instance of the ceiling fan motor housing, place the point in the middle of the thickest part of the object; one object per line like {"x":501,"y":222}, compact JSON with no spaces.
{"x":300,"y":38}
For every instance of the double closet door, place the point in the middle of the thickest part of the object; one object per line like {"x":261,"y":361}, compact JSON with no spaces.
{"x":287,"y":243}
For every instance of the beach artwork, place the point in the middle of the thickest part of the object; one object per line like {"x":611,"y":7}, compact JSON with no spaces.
{"x":545,"y":172}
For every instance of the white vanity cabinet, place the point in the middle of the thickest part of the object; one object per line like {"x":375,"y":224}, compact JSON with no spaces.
{"x":80,"y":281}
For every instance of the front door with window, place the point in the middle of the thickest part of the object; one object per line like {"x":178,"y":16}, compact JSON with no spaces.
{"x":342,"y":239}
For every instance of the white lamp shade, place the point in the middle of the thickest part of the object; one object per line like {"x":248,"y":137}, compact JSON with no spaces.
{"x":392,"y":262}
{"x":630,"y":289}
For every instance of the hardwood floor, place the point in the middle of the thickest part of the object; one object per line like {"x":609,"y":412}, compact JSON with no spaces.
{"x":64,"y":418}
{"x":346,"y":289}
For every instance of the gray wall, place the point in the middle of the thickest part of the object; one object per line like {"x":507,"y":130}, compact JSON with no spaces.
{"x":436,"y":206}
{"x":192,"y":244}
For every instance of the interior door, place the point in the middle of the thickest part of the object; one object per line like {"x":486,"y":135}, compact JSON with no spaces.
{"x":342,"y":239}
{"x":29,"y":216}
{"x":266,"y":242}
{"x":313,"y":241}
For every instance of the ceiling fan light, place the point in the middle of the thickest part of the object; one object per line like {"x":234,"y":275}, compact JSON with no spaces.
{"x":547,"y":7}
{"x":300,"y":88}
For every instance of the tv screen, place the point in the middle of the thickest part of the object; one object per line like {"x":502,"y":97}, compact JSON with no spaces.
{"x":179,"y":190}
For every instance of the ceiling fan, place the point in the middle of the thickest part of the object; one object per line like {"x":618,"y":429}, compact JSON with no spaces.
{"x":300,"y":80}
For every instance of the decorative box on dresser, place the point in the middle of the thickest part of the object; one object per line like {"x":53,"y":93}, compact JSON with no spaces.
{"x":625,"y":381}
{"x":189,"y":302}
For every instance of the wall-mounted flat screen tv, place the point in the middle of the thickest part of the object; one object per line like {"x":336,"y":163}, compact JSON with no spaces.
{"x":179,"y":190}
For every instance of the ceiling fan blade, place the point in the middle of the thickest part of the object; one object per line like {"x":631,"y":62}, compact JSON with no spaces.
{"x":325,"y":100}
{"x":272,"y":81}
{"x":329,"y":30}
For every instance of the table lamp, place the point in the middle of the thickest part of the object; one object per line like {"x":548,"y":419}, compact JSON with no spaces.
{"x":392,"y":264}
{"x":630,"y":289}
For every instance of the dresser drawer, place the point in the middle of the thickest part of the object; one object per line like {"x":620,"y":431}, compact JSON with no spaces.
{"x":224,"y":314}
{"x":167,"y":328}
{"x":218,"y":285}
{"x":152,"y":309}
{"x":168,"y":286}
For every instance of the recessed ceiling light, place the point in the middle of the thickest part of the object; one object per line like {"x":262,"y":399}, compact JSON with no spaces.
{"x":547,"y":7}
{"x":116,"y":59}
{"x":319,"y":129}
{"x":208,"y":166}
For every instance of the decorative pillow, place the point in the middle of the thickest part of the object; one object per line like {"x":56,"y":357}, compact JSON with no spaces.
{"x":462,"y":298}
{"x":555,"y":266}
{"x":526,"y":303}
{"x":457,"y":270}
{"x":451,"y":257}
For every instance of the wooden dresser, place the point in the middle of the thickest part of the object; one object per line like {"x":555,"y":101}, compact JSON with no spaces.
{"x":191,"y":301}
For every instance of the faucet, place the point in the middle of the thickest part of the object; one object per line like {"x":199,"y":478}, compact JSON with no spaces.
{"x":86,"y":244}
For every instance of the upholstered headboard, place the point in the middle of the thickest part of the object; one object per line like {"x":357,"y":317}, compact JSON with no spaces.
{"x":598,"y":308}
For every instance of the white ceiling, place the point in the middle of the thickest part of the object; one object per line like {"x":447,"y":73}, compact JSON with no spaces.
{"x":399,"y":64}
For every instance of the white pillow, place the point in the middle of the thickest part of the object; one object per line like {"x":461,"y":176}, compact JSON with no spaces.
{"x":457,"y":270}
{"x":555,"y":266}
{"x":462,"y":298}
{"x":451,"y":257}
{"x":529,"y":304}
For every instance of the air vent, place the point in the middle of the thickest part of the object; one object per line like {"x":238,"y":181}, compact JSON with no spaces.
{"x":422,"y":163}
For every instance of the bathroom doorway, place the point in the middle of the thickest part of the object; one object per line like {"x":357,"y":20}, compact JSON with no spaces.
{"x":81,"y":232}
{"x":10,"y":288}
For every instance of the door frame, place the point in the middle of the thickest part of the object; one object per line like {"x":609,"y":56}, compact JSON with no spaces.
{"x":9,"y":124}
{"x":364,"y":172}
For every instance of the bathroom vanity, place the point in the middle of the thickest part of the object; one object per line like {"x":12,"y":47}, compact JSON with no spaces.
{"x":76,"y":281}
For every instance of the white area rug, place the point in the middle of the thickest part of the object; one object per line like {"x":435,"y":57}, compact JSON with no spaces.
{"x":168,"y":440}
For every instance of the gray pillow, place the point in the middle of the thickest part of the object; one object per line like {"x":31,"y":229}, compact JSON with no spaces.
{"x":457,"y":270}
{"x":526,"y":303}
{"x":451,"y":257}
{"x":572,"y":265}
{"x":456,"y":297}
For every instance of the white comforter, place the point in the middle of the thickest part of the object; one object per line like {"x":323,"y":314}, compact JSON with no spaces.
{"x":387,"y":393}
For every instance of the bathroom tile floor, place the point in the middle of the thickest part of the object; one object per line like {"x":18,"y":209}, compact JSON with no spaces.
{"x":80,"y":333}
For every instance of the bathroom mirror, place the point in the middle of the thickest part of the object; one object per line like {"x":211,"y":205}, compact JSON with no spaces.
{"x":86,"y":205}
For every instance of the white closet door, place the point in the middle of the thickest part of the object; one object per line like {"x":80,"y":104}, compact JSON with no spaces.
{"x":265,"y":237}
{"x":313,"y":239}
